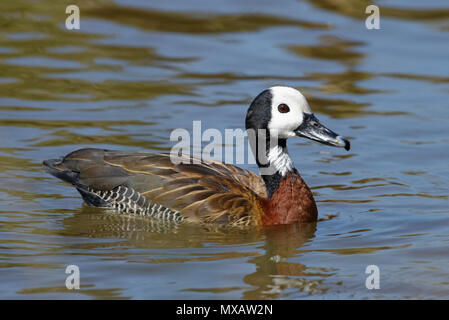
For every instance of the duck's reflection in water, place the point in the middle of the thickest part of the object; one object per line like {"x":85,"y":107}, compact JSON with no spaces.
{"x":276,"y":275}
{"x":270,"y":249}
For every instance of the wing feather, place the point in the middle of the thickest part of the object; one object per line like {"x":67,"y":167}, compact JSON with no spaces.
{"x":201,"y":191}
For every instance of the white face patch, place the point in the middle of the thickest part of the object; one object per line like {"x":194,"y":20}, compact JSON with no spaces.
{"x":283,"y":124}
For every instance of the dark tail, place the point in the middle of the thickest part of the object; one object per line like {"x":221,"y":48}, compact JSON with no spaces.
{"x":56,"y":168}
{"x":68,"y":170}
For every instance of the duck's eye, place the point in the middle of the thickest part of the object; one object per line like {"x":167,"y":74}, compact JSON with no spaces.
{"x":283,"y":108}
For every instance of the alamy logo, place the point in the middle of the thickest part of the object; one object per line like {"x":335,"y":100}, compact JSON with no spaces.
{"x":73,"y":280}
{"x":373,"y":280}
{"x":247,"y":144}
{"x":73,"y":20}
{"x":373,"y":20}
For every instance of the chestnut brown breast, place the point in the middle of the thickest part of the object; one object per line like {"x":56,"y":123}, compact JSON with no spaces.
{"x":292,"y":202}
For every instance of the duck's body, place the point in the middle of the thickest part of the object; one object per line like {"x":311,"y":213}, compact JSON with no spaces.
{"x":212,"y":192}
{"x":197,"y":191}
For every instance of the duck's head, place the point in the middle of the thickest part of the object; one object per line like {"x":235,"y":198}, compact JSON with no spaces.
{"x":284,"y":113}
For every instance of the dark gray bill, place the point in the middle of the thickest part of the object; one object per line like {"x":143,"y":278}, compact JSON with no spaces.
{"x":312,"y":129}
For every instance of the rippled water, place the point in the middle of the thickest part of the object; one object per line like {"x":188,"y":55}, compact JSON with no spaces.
{"x":136,"y":70}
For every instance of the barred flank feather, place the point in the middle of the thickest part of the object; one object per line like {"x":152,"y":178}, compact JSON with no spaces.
{"x":128,"y":200}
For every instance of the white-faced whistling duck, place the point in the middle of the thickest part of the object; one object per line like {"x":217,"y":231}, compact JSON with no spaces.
{"x":209,"y":192}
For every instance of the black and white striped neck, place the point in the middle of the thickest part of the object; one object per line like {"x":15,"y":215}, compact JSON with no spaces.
{"x":276,"y":165}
